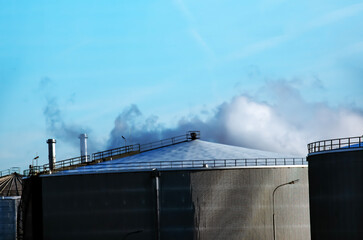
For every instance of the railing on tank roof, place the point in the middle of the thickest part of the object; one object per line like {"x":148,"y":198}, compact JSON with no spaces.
{"x":215,"y":163}
{"x":191,"y":135}
{"x":334,"y":144}
{"x":109,"y":154}
{"x":9,"y":171}
{"x":115,"y":151}
{"x":60,"y":165}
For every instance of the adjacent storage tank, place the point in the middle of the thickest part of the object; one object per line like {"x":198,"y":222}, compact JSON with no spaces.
{"x":8,"y":217}
{"x":336,"y":189}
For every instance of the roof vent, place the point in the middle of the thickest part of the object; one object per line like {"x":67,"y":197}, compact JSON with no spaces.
{"x":194,"y":135}
{"x":51,"y":151}
{"x":83,"y":142}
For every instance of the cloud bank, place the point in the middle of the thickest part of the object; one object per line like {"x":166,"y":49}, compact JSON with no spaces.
{"x":284,"y":122}
{"x":285,"y":126}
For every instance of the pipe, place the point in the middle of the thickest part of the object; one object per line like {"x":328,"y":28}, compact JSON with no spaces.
{"x":156,"y":174}
{"x":83,"y":146}
{"x":51,"y":153}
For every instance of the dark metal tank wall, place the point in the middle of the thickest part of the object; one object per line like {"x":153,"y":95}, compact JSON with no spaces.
{"x":193,"y":204}
{"x":336,"y":195}
{"x":99,"y":206}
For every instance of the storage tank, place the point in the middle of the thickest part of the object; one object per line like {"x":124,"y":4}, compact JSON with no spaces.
{"x":336,"y":188}
{"x":166,"y":191}
{"x":8,"y":217}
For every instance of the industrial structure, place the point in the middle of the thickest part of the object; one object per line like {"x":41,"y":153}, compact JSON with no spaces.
{"x":177,"y":188}
{"x":336,"y":188}
{"x":10,"y":192}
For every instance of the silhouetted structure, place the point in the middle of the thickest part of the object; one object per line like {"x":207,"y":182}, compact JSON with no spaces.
{"x":336,"y":188}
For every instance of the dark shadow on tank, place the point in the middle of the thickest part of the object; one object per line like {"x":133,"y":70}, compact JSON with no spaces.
{"x":176,"y":206}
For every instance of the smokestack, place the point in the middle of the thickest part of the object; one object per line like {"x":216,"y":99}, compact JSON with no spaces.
{"x":51,"y":151}
{"x":83,"y":141}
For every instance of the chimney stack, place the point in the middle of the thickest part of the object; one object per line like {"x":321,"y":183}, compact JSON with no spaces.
{"x":51,"y":153}
{"x":83,"y":141}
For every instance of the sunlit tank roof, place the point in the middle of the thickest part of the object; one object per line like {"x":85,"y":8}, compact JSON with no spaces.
{"x":186,"y":151}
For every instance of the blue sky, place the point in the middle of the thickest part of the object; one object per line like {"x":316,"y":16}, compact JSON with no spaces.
{"x":179,"y":63}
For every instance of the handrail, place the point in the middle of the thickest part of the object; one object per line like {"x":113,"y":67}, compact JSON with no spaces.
{"x":9,"y":171}
{"x":169,"y":141}
{"x":334,"y":144}
{"x":57,"y":166}
{"x":115,"y":152}
{"x":212,"y":163}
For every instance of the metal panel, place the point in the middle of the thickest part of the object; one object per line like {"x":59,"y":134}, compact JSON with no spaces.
{"x":8,"y":214}
{"x":336,"y":195}
{"x":103,"y":206}
{"x":234,"y":204}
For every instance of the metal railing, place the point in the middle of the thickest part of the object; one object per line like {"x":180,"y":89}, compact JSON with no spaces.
{"x":115,"y":152}
{"x":9,"y":171}
{"x":64,"y":164}
{"x":215,"y":163}
{"x":334,"y":144}
{"x":191,"y":135}
{"x":109,"y":154}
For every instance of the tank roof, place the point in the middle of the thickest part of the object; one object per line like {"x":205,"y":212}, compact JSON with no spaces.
{"x":191,"y":153}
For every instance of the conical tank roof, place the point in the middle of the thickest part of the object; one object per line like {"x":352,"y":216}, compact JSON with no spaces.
{"x":182,"y":155}
{"x":11,"y":185}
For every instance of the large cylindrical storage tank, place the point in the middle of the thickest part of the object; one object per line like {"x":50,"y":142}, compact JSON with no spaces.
{"x":336,"y":189}
{"x":199,"y":204}
{"x":179,"y":188}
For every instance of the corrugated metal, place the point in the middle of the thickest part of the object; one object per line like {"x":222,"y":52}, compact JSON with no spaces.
{"x":194,"y":204}
{"x":235,"y":204}
{"x":8,"y":216}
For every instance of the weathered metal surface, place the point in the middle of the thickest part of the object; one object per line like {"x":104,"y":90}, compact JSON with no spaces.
{"x":336,"y":195}
{"x":237,"y":204}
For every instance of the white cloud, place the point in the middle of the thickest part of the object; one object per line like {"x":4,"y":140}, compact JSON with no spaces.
{"x":285,"y":126}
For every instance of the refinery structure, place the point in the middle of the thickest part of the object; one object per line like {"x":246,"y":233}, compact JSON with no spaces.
{"x":187,"y":188}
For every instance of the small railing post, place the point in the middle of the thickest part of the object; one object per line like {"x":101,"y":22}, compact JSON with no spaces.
{"x":348,"y":142}
{"x":339,"y":142}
